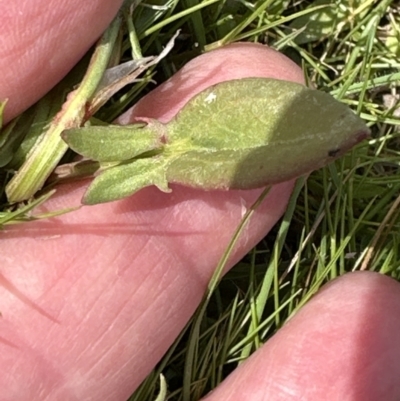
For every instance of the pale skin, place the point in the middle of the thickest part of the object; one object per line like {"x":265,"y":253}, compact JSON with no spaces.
{"x":91,"y":300}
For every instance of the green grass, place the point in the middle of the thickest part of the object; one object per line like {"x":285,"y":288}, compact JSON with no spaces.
{"x":342,"y":218}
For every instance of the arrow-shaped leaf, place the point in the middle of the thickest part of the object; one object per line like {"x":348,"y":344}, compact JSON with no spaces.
{"x":240,"y":134}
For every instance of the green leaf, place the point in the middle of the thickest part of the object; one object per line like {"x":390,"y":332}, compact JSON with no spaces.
{"x":239,"y":134}
{"x":124,"y":180}
{"x":252,"y":132}
{"x":115,"y":142}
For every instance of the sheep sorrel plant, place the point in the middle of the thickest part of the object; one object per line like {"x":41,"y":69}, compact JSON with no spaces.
{"x":190,"y":132}
{"x":209,"y":145}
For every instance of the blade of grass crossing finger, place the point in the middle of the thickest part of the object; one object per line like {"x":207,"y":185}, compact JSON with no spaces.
{"x":198,"y":317}
{"x":21,"y":214}
{"x":279,"y":244}
{"x":271,"y":280}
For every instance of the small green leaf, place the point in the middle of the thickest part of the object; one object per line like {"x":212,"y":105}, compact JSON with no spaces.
{"x":126,"y":179}
{"x":115,"y":142}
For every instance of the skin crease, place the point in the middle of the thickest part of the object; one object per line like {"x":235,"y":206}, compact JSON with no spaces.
{"x":93,"y":299}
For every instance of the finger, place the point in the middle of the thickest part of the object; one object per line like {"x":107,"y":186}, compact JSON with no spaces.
{"x":108,"y":288}
{"x":40,"y":41}
{"x":340,"y":346}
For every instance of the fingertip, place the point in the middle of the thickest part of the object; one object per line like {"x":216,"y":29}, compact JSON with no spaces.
{"x":338,"y":347}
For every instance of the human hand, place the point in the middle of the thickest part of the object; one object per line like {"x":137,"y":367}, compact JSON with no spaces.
{"x":91,"y":300}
